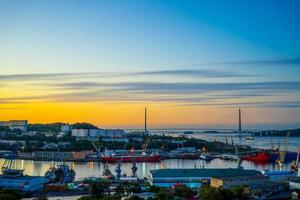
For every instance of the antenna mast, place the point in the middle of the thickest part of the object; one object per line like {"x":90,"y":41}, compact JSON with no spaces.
{"x":240,"y":126}
{"x":145,"y":120}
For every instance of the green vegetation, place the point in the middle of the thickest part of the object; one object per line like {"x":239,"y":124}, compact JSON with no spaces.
{"x":211,"y":193}
{"x":184,"y":192}
{"x":54,"y":127}
{"x":83,"y":126}
{"x":9,"y":195}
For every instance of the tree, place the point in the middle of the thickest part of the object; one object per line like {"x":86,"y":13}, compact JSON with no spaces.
{"x":227,"y":193}
{"x":99,"y":189}
{"x":164,"y":195}
{"x":120,"y":190}
{"x":184,"y":192}
{"x":87,"y":198}
{"x":238,"y":191}
{"x":211,"y":193}
{"x":9,"y":195}
{"x":135,"y":197}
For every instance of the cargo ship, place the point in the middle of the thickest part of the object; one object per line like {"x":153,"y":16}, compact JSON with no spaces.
{"x":270,"y":157}
{"x":257,"y":157}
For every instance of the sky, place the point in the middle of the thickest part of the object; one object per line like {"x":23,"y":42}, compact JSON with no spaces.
{"x":191,"y":63}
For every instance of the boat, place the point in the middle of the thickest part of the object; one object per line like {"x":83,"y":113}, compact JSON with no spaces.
{"x":257,"y":157}
{"x":205,"y":157}
{"x":229,"y":157}
{"x":131,"y":158}
{"x":249,"y":138}
{"x":62,"y":174}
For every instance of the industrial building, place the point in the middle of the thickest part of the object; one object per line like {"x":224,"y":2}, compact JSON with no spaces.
{"x":194,"y":177}
{"x":230,"y":181}
{"x":23,"y":183}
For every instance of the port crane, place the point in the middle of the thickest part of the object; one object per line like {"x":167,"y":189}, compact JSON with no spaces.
{"x":98,"y":151}
{"x":295,"y":165}
{"x":282,"y":153}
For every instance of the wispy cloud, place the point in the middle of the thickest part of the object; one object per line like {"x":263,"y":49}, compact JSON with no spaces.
{"x":179,"y":72}
{"x":264,"y":62}
{"x":182,"y":86}
{"x":260,"y":104}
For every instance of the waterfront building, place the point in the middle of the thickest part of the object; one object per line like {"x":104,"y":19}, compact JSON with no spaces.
{"x":58,"y":155}
{"x":26,"y":184}
{"x":193,"y":177}
{"x":52,"y":155}
{"x":15,"y":124}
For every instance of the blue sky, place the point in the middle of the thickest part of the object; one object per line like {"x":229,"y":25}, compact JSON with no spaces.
{"x":193,"y":53}
{"x":63,"y":36}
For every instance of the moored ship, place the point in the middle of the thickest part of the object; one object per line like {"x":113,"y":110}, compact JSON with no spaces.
{"x":270,"y":157}
{"x":257,"y":157}
{"x":62,"y":174}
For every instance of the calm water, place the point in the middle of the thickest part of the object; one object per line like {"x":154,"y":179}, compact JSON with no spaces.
{"x":95,"y":169}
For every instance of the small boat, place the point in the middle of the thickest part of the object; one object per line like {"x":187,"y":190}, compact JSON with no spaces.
{"x":230,"y":157}
{"x":250,"y":138}
{"x":205,"y":157}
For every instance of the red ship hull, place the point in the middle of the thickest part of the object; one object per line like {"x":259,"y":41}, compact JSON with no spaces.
{"x":258,"y":157}
{"x":114,"y":159}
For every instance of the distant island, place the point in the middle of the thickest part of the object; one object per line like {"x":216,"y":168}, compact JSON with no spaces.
{"x":211,"y":132}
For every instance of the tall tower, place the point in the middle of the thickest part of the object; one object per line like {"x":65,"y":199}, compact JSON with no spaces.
{"x":240,"y":126}
{"x":145,"y":128}
{"x":240,"y":121}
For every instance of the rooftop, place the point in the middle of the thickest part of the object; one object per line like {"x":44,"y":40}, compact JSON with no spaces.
{"x":21,"y":178}
{"x":180,"y":173}
{"x":264,"y":184}
{"x":295,"y":179}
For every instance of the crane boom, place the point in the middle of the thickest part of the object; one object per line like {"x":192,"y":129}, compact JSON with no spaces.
{"x":283,"y":153}
{"x":96,"y":148}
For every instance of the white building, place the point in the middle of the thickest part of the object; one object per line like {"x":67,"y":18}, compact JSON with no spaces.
{"x":80,"y":132}
{"x":66,"y":128}
{"x":97,"y":132}
{"x":15,"y":124}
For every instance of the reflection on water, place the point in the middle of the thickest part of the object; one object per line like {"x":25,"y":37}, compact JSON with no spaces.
{"x":95,"y":169}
